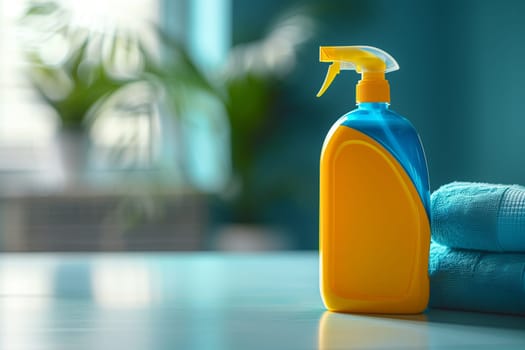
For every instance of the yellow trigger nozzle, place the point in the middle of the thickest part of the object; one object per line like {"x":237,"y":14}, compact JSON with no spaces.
{"x":371,"y":62}
{"x":333,"y":70}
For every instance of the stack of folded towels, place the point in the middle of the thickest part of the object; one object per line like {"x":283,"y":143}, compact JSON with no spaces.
{"x":477,"y":255}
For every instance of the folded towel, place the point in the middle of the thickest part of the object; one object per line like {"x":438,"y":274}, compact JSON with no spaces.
{"x":479,"y":216}
{"x":476,"y":281}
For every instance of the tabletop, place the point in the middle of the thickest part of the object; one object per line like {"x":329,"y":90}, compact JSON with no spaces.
{"x":209,"y":301}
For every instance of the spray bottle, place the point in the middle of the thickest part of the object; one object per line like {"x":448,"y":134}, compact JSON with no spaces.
{"x":374,"y":197}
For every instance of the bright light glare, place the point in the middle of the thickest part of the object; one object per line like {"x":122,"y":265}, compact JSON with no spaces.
{"x":121,"y":286}
{"x":25,"y":299}
{"x":104,"y":14}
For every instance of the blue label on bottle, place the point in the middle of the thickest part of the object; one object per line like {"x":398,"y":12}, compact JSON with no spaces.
{"x":399,"y":137}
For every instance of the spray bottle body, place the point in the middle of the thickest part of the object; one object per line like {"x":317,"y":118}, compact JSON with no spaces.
{"x":374,"y":214}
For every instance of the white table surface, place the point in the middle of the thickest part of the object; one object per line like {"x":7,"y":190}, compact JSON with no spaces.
{"x":209,"y":301}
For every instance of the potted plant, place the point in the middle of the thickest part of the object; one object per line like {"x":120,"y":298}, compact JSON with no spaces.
{"x":88,"y":76}
{"x":83,"y":72}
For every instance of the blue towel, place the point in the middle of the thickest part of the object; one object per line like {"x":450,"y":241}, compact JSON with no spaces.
{"x":476,"y":281}
{"x":479,"y":216}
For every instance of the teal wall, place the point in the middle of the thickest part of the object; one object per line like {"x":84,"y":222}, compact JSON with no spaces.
{"x":461,"y":83}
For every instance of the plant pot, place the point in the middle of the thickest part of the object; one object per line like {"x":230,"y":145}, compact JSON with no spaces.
{"x":73,"y":146}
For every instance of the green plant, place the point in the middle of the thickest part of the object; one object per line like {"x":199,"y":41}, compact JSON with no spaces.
{"x":253,"y":84}
{"x":74,"y":68}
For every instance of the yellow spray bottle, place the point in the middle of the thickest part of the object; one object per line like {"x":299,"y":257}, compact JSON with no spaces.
{"x":374,"y":197}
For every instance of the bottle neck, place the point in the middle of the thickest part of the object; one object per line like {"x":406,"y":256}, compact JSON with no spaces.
{"x":373,"y":105}
{"x":373,"y":87}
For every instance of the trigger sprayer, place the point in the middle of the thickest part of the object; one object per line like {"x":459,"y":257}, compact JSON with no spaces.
{"x":371,"y":62}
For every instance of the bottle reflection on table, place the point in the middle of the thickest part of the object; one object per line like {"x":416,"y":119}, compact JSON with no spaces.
{"x":348,"y":331}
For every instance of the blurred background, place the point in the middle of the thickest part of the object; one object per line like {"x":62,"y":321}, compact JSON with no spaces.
{"x":193,"y":124}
